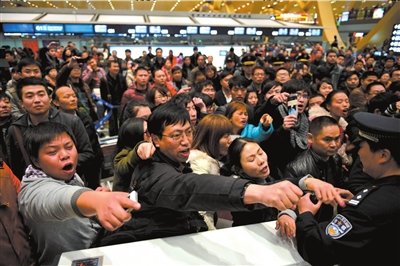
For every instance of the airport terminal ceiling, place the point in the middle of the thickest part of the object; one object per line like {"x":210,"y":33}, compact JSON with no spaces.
{"x":277,"y":8}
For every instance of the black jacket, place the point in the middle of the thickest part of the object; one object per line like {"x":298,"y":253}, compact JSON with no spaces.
{"x":85,"y":152}
{"x":112,"y":88}
{"x":308,"y":162}
{"x":366,"y":233}
{"x":171,"y":196}
{"x":260,"y":214}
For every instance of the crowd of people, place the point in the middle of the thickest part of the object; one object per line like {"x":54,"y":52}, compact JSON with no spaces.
{"x":309,"y":139}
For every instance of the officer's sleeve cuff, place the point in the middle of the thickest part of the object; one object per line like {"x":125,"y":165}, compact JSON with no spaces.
{"x":302,"y":183}
{"x":289,"y":212}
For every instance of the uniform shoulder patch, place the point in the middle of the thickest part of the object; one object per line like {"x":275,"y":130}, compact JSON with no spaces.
{"x":338,"y":227}
{"x":361,"y":196}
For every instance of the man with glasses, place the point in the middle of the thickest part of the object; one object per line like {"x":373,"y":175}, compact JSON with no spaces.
{"x":171,"y":195}
{"x":290,"y":136}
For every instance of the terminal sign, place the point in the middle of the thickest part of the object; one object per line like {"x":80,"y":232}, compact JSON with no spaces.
{"x":49,"y":28}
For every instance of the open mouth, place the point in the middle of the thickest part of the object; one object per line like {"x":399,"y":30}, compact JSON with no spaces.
{"x":184,"y":154}
{"x":68,"y":167}
{"x":265,"y":170}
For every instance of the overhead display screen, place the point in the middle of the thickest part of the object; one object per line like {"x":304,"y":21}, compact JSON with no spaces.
{"x":251,"y":31}
{"x":78,"y":28}
{"x":141,"y":29}
{"x":293,"y":32}
{"x":18,"y":28}
{"x":395,"y":39}
{"x":315,"y":32}
{"x":191,"y":30}
{"x":283,"y":32}
{"x":49,"y":28}
{"x":100,"y":28}
{"x":205,"y":30}
{"x":155,"y":29}
{"x":238,"y":30}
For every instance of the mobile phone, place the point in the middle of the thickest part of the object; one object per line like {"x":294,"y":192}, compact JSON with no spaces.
{"x":292,"y":104}
{"x":132,"y":196}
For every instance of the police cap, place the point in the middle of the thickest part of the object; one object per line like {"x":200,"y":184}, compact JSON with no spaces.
{"x":229,"y":59}
{"x":303,"y":58}
{"x":248,"y":59}
{"x":377,"y":128}
{"x":278,"y":60}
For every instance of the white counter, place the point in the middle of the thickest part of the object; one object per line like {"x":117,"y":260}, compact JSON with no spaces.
{"x":255,"y":244}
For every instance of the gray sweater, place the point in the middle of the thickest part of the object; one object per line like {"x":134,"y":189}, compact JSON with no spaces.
{"x":54,"y":221}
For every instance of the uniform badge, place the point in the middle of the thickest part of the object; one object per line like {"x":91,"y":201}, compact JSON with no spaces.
{"x":338,"y":227}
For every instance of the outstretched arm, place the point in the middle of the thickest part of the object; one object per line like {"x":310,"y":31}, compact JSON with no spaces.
{"x":109,"y":207}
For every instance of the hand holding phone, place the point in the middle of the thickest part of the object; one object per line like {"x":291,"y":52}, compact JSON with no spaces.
{"x":134,"y":197}
{"x":292,"y":104}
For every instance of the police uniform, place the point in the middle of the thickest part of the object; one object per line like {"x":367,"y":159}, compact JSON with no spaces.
{"x":247,"y":60}
{"x":367,"y":230}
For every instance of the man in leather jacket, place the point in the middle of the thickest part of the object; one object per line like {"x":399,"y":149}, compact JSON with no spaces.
{"x":320,"y":159}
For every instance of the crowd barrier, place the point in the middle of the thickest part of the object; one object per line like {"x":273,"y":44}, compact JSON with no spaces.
{"x":256,"y":244}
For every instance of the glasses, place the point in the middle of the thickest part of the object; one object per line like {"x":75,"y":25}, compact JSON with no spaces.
{"x":178,"y":135}
{"x":302,"y":95}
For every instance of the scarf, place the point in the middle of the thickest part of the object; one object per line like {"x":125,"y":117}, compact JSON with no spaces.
{"x":32,"y":173}
{"x":298,"y":133}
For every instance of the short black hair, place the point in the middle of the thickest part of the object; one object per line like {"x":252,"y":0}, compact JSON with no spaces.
{"x":238,"y":82}
{"x":295,"y":85}
{"x":331,"y":52}
{"x":329,"y":97}
{"x":270,"y":85}
{"x":43,"y":133}
{"x":394,"y":70}
{"x":224,"y":74}
{"x":373,"y":83}
{"x":368,"y":73}
{"x":381,"y":101}
{"x":182,"y":99}
{"x":4,"y":95}
{"x":348,"y":74}
{"x":200,"y":85}
{"x":109,"y":62}
{"x":30,"y":81}
{"x":165,"y":115}
{"x":27,"y":61}
{"x":141,"y":67}
{"x":318,"y":123}
{"x":175,"y":69}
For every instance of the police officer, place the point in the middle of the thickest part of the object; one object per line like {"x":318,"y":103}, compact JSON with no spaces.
{"x":366,"y":231}
{"x":248,"y":62}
